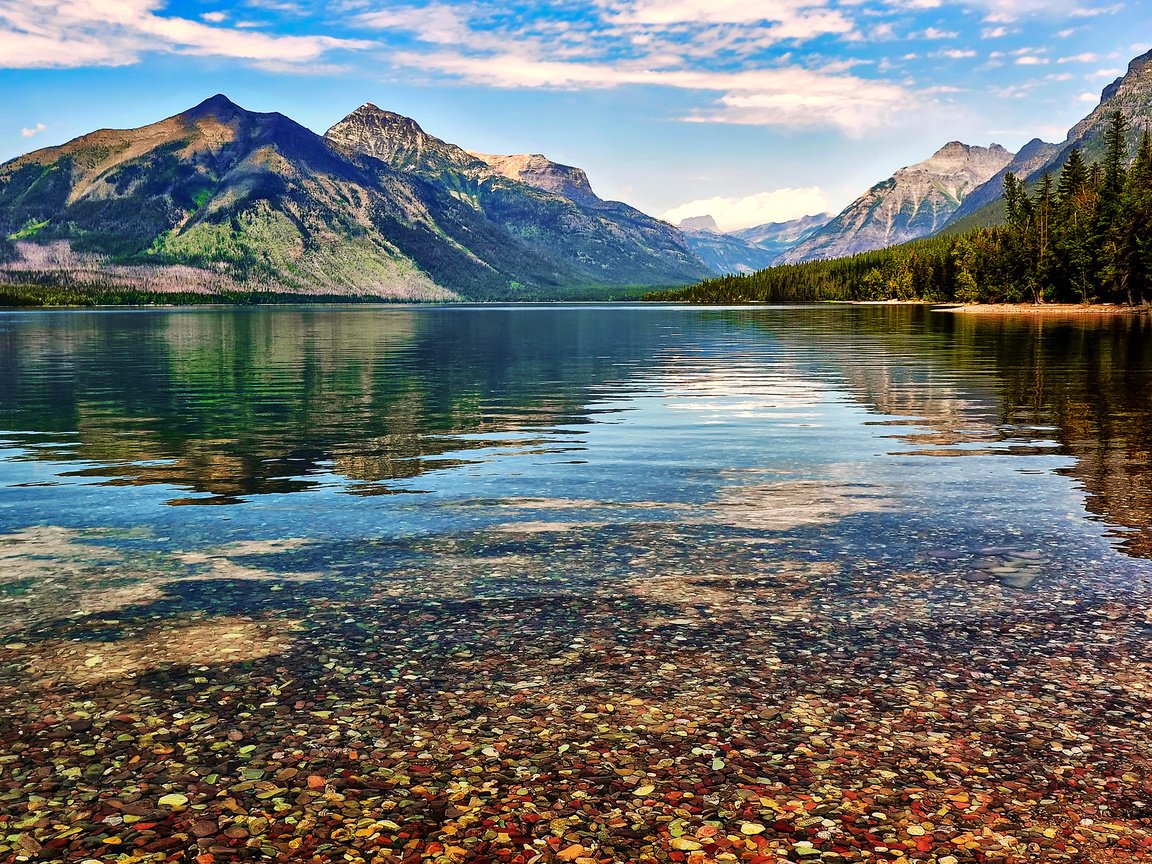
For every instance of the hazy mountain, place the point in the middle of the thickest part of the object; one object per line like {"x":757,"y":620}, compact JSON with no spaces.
{"x":219,"y":197}
{"x":915,"y":202}
{"x":781,"y":237}
{"x":700,"y":223}
{"x":724,"y":253}
{"x":748,"y":249}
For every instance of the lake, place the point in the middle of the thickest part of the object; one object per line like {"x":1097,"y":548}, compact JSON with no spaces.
{"x":575,"y":583}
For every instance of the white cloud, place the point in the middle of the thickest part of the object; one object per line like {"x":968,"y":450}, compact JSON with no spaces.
{"x":436,"y":23}
{"x":1087,"y":57}
{"x":33,"y":131}
{"x":1031,"y":60}
{"x":1008,"y":11}
{"x":936,"y":33}
{"x":796,"y":19}
{"x":956,"y":53}
{"x":785,"y":96}
{"x":1093,"y":11}
{"x":214,"y":17}
{"x":70,"y":33}
{"x":732,"y":214}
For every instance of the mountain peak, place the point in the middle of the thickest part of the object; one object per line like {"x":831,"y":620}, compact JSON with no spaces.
{"x":219,"y":106}
{"x":373,"y":114}
{"x":1138,"y":68}
{"x":700,"y":223}
{"x":542,"y":173}
{"x":399,"y":141}
{"x":914,"y":202}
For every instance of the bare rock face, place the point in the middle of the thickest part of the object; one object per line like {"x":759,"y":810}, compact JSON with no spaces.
{"x":399,"y":141}
{"x":915,"y":202}
{"x":542,"y":173}
{"x":1131,"y":95}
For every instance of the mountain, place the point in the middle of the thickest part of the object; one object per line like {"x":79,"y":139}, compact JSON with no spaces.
{"x":219,"y":198}
{"x":1130,"y":94}
{"x":748,"y":249}
{"x":915,"y":202}
{"x":1032,"y":157}
{"x":779,"y":238}
{"x":700,"y":223}
{"x":723,"y":253}
{"x":548,"y":208}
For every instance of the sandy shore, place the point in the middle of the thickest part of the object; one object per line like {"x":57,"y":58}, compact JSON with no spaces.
{"x":1044,"y":309}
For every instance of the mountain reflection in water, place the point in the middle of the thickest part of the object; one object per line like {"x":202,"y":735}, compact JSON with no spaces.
{"x":229,"y":404}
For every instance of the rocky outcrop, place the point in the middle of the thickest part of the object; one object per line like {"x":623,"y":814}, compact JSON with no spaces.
{"x":541,"y":172}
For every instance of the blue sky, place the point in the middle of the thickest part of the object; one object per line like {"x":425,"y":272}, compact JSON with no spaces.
{"x":753,"y":111}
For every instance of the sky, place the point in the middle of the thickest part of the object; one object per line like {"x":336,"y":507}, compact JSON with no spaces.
{"x":748,"y":111}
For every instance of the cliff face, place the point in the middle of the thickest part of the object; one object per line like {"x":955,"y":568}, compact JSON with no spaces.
{"x":915,"y":202}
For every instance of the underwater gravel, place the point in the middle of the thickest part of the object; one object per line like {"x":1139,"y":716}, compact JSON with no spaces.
{"x":643,"y":693}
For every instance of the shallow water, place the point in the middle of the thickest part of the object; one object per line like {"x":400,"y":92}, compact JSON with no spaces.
{"x":465,"y":514}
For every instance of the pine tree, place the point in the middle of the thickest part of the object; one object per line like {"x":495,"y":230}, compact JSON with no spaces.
{"x":1137,"y":215}
{"x":1111,"y":239}
{"x":1073,"y":176}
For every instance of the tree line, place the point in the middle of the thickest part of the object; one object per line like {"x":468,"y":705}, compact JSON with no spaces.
{"x":1084,"y":236}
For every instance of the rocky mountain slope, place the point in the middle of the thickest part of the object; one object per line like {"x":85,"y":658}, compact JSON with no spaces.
{"x":915,"y":202}
{"x":550,"y":209}
{"x":543,"y":173}
{"x":1130,"y":94}
{"x":218,"y":197}
{"x":1032,"y":157}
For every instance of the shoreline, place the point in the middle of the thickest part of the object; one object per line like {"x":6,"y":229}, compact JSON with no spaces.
{"x":1042,"y":309}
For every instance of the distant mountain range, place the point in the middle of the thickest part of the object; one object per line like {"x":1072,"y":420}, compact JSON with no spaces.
{"x":218,"y":198}
{"x":748,"y":249}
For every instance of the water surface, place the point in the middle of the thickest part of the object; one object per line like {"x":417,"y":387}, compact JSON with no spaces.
{"x":425,"y":521}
